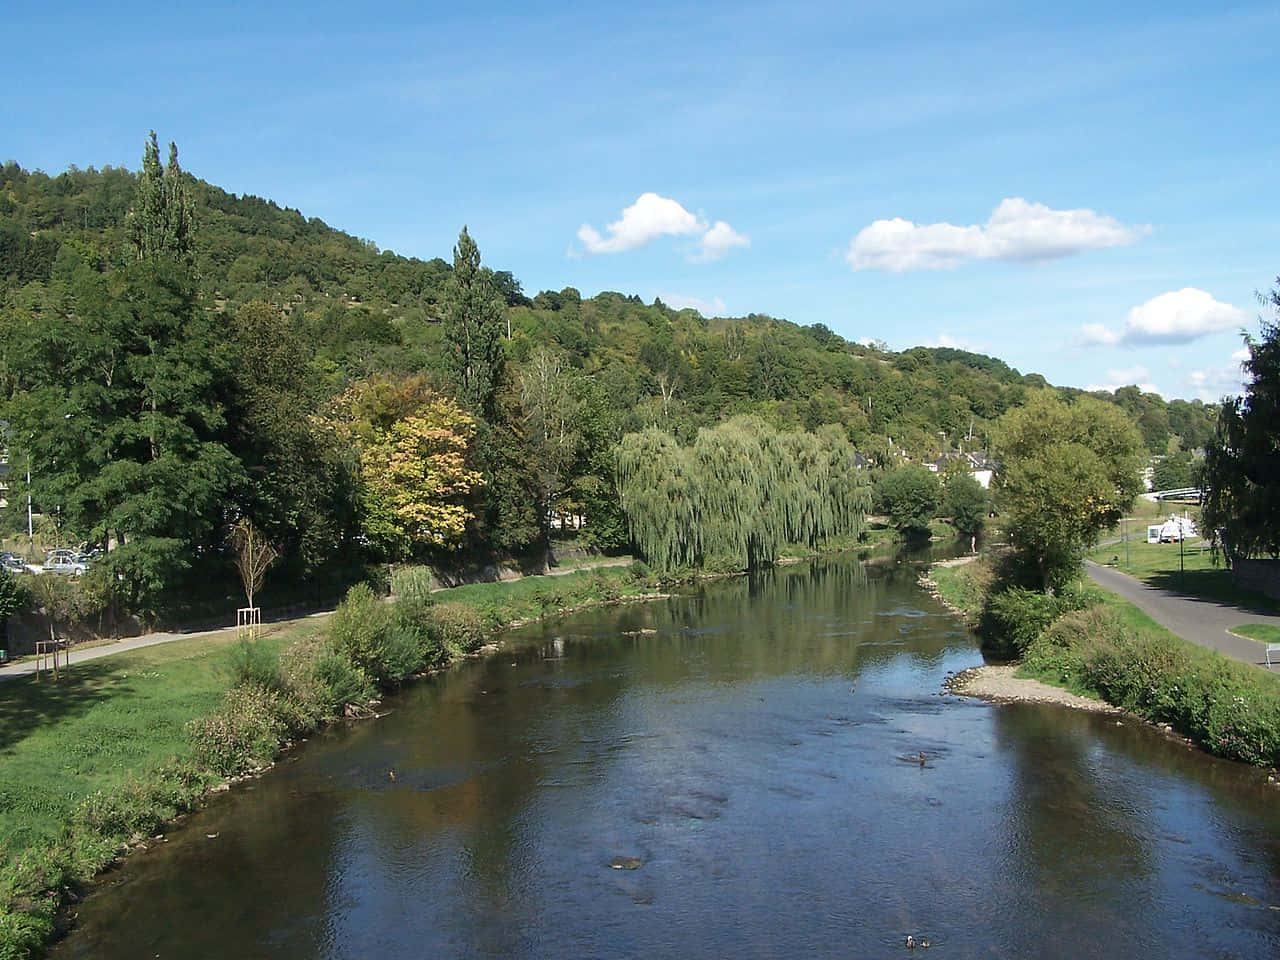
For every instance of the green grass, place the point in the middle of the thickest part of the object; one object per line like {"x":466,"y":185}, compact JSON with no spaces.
{"x":103,"y":722}
{"x":1262,"y":632}
{"x":120,"y":745}
{"x":963,"y":586}
{"x":1197,"y":573}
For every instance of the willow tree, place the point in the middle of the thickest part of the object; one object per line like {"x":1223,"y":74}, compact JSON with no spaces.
{"x":658,"y":495}
{"x":739,"y":494}
{"x":848,"y":486}
{"x":733,"y":528}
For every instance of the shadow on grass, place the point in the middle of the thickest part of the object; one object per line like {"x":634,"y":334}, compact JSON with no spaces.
{"x":27,"y":703}
{"x":1214,"y":586}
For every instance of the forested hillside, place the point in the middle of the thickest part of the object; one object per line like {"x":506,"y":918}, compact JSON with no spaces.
{"x":293,"y":357}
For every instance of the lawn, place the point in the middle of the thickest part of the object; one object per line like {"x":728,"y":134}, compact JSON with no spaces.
{"x":1196,"y":573}
{"x":1262,"y":632}
{"x":104,"y":721}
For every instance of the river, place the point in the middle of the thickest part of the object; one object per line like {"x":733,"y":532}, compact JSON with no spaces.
{"x":731,"y":773}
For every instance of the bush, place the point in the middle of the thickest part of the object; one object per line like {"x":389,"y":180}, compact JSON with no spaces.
{"x":1232,"y":709}
{"x":244,"y":734}
{"x":412,"y":583}
{"x":339,"y":682}
{"x":1016,"y":616}
{"x":457,"y":628}
{"x":361,"y":631}
{"x":255,"y":664}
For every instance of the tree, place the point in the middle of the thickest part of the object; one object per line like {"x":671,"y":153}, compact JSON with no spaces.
{"x":253,"y":555}
{"x":1174,"y":472}
{"x":162,"y":221}
{"x":1070,"y":472}
{"x":967,"y":503}
{"x":415,"y":474}
{"x":740,"y":494}
{"x":909,"y":495}
{"x":300,"y":478}
{"x":549,"y":399}
{"x":1242,"y":461}
{"x":473,"y":325}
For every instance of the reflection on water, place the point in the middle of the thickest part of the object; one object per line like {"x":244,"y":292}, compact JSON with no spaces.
{"x":752,"y":750}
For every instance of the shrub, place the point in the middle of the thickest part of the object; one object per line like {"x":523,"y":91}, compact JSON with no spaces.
{"x":410,"y":620}
{"x":244,"y":734}
{"x":361,"y":631}
{"x":1232,"y":709}
{"x":1016,"y":616}
{"x":457,"y":628}
{"x":254,"y":663}
{"x":339,"y":682}
{"x":413,"y":583}
{"x":604,"y":587}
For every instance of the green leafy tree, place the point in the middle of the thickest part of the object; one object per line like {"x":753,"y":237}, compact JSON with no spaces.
{"x":1174,"y":472}
{"x":1070,"y":472}
{"x":909,"y":495}
{"x":1242,"y":461}
{"x":967,"y":503}
{"x":473,"y":327}
{"x":300,"y":477}
{"x":162,"y":221}
{"x":550,"y":400}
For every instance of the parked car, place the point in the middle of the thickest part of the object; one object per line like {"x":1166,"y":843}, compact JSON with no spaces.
{"x":12,"y":563}
{"x":64,"y":561}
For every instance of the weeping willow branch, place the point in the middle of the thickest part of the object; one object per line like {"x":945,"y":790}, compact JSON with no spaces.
{"x":740,"y":494}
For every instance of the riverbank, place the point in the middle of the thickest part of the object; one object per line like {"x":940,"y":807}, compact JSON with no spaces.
{"x":96,"y":763}
{"x":1000,"y":683}
{"x":1096,"y":645}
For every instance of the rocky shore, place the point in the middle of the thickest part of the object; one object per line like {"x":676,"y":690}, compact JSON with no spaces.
{"x":998,"y":684}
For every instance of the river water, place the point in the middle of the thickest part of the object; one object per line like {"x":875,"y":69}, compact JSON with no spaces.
{"x":754,"y":746}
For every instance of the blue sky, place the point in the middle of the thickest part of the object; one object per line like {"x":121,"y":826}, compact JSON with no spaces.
{"x":1086,"y":191}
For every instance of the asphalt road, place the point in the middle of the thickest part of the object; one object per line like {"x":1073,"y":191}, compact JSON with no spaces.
{"x":1199,"y":621}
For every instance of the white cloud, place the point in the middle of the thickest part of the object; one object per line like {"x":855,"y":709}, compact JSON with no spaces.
{"x":649,"y":217}
{"x":1125,"y":377}
{"x":1178,"y":316}
{"x":715,"y":307}
{"x":1016,"y":230}
{"x":946,"y":340}
{"x":718,"y":241}
{"x":653,"y":216}
{"x":1213,"y":383}
{"x":1095,"y":334}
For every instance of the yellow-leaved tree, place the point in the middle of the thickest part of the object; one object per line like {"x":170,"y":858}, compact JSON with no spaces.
{"x":415,"y":472}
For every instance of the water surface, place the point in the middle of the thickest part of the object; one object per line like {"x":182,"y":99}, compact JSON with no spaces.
{"x":755,"y":746}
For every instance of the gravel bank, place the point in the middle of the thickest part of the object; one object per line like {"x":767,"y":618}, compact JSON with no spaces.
{"x":999,"y":685}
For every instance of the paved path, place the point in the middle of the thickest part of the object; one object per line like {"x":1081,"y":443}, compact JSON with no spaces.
{"x":1200,"y":621}
{"x":80,"y":655}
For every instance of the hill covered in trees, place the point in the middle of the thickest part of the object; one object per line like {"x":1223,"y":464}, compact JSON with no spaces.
{"x":302,"y":352}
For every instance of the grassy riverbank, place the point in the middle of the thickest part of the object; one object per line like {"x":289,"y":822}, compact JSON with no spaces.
{"x":1096,"y":644}
{"x":120,"y":745}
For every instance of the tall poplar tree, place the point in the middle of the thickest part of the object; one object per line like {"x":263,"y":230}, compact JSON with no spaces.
{"x":162,"y":221}
{"x":473,"y":325}
{"x":118,"y":409}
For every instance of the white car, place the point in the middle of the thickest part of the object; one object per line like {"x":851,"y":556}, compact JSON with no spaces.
{"x":64,"y":562}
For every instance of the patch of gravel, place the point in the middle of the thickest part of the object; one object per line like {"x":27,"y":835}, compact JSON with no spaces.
{"x":999,"y":685}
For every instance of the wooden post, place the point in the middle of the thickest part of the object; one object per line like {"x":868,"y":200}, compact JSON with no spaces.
{"x":248,"y":622}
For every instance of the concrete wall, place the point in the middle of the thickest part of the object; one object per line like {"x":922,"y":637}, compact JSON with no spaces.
{"x":1262,"y":576}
